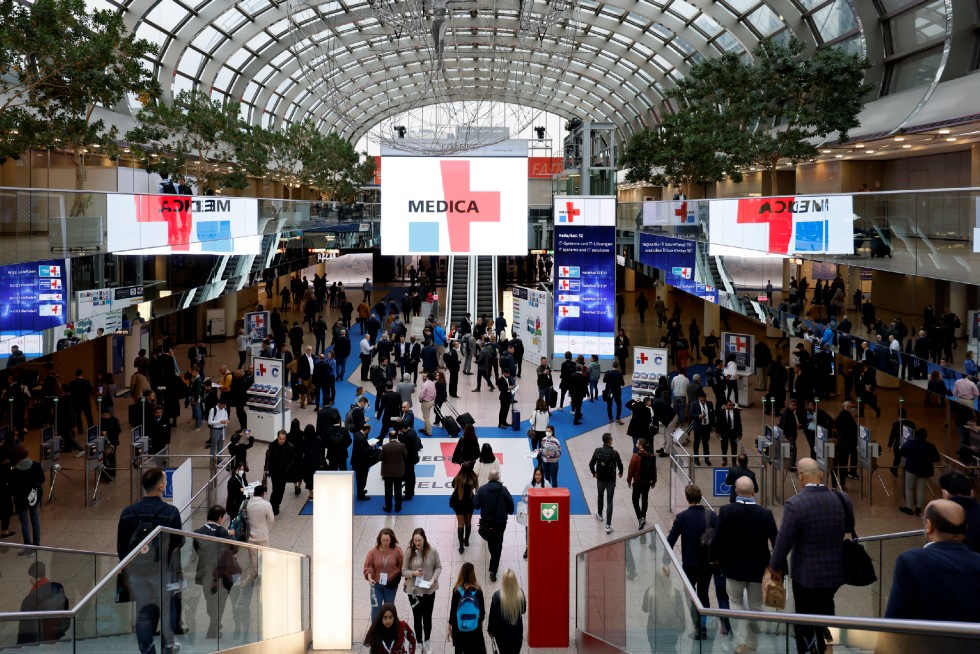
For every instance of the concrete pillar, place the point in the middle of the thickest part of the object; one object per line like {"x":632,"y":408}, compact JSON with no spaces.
{"x":229,"y":303}
{"x":629,"y":280}
{"x":974,"y":165}
{"x":958,"y":305}
{"x":852,"y":282}
{"x":712,"y":320}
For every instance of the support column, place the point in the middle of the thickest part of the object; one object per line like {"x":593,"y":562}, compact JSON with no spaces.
{"x":629,"y":280}
{"x":712,"y":319}
{"x":958,"y":305}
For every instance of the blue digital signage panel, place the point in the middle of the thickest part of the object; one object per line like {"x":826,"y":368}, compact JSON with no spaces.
{"x":676,"y":257}
{"x":585,"y":289}
{"x":33,"y":298}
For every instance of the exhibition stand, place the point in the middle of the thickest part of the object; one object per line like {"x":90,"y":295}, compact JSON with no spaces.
{"x":266,"y":409}
{"x":649,"y":365}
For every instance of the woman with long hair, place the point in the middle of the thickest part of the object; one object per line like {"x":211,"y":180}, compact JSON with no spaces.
{"x":295,"y":436}
{"x":383,"y":570}
{"x":539,"y":422}
{"x":537,"y":481}
{"x":505,"y":623}
{"x":465,"y":484}
{"x":466,"y":613}
{"x":421,"y":573}
{"x":549,"y":451}
{"x":485,"y":464}
{"x":467,"y":447}
{"x":389,"y":635}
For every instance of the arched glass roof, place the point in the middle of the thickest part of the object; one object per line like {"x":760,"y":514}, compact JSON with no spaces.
{"x":625,"y":54}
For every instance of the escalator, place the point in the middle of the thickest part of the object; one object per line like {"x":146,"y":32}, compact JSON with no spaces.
{"x":457,"y":286}
{"x":486,"y":287}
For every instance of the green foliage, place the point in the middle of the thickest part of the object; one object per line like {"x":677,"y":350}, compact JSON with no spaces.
{"x":58,"y":62}
{"x":198,"y":137}
{"x":284,"y":155}
{"x":732,"y":112}
{"x":337,"y":169}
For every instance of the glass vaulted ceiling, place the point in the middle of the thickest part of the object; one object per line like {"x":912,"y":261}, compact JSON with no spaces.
{"x":626,"y":53}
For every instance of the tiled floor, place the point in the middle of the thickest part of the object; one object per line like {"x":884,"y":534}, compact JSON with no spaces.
{"x":66,"y":523}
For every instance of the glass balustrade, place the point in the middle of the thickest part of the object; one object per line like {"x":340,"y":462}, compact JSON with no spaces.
{"x":200,"y":593}
{"x":633,"y":596}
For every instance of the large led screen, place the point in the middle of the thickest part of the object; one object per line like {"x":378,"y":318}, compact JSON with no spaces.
{"x":784,"y":225}
{"x":33,"y":298}
{"x":454,"y":205}
{"x":585,"y":275}
{"x":183,"y":224}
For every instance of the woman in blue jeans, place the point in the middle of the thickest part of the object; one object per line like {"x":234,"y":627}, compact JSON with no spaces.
{"x":549,"y":452}
{"x":383,"y":570}
{"x":26,"y":482}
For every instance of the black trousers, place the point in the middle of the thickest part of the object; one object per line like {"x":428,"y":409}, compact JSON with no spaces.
{"x":422,"y":612}
{"x":360,"y":476}
{"x":701,"y":438}
{"x":577,"y":407}
{"x":242,"y":416}
{"x":393,"y":486}
{"x":278,"y":490}
{"x":409,"y":480}
{"x":453,"y":382}
{"x":641,"y":495}
{"x":813,"y":601}
{"x":700,"y":578}
{"x":365,"y":366}
{"x":618,"y":399}
{"x":725,"y":442}
{"x":504,"y":410}
{"x":495,"y":543}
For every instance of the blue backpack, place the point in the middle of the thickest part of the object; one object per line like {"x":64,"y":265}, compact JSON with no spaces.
{"x":467,"y":611}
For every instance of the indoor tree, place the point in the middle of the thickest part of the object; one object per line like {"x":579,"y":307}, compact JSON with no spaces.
{"x":285,"y":155}
{"x":337,"y":169}
{"x":198,"y":137}
{"x":58,"y":63}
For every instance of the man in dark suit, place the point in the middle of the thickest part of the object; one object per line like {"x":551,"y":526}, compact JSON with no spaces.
{"x":846,"y":457}
{"x":789,"y":422}
{"x":895,"y":439}
{"x":394,"y":456}
{"x":957,"y":488}
{"x":664,"y":414}
{"x":741,"y":545}
{"x":578,"y":388}
{"x":702,"y":419}
{"x":815,"y":418}
{"x":506,"y":397}
{"x":729,"y":427}
{"x":940,"y":581}
{"x":304,"y":371}
{"x":640,"y":421}
{"x":736,"y":472}
{"x":813,"y":529}
{"x":688,"y":526}
{"x":451,"y":360}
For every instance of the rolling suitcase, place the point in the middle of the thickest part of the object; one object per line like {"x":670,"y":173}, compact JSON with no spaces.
{"x":552,"y":398}
{"x":465,"y":419}
{"x":448,"y":422}
{"x":515,"y":419}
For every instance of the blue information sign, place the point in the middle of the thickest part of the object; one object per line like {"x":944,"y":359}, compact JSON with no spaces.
{"x":721,"y":489}
{"x":168,"y":492}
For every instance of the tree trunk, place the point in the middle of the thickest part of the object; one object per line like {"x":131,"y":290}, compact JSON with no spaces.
{"x":81,"y":201}
{"x":773,"y":178}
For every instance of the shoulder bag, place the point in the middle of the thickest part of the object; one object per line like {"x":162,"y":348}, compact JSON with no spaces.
{"x":859,"y":570}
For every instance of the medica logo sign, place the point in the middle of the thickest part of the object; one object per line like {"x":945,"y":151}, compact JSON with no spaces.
{"x":784,"y":225}
{"x":454,"y":205}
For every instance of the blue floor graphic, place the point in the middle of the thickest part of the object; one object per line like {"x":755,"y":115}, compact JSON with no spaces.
{"x":593,"y":417}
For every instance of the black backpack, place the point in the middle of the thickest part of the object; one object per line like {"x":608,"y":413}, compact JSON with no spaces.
{"x":648,"y":469}
{"x":146,"y":524}
{"x":605,"y":462}
{"x":168,"y":187}
{"x":336,"y":438}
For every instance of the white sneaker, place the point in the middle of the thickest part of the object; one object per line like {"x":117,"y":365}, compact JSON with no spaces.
{"x":598,"y":516}
{"x":608,"y":529}
{"x":428,"y":647}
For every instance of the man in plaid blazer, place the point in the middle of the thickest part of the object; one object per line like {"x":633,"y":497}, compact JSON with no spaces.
{"x":813,"y":529}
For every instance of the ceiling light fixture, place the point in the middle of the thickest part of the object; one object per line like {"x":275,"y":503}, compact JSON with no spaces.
{"x":859,"y":145}
{"x":906,"y":147}
{"x":951,"y":138}
{"x":944,"y":131}
{"x":899,"y":138}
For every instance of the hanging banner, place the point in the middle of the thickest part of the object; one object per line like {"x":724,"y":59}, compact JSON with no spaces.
{"x":257,"y":325}
{"x":676,"y":257}
{"x":33,"y":298}
{"x":784,"y":225}
{"x":531,"y":320}
{"x":677,"y":212}
{"x":585,"y":275}
{"x":649,"y":365}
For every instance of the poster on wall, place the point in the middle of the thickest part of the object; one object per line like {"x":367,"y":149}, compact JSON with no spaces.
{"x":585,"y":275}
{"x":784,"y":225}
{"x":183,"y":224}
{"x":676,"y":257}
{"x":531,"y":321}
{"x":740,"y":346}
{"x":257,"y":325}
{"x":33,"y":298}
{"x":649,"y":365}
{"x":102,"y":308}
{"x":677,"y":212}
{"x":216,"y":322}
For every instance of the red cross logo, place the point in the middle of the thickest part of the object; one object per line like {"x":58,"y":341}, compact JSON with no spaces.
{"x":173,"y":210}
{"x":564,"y":311}
{"x":740,"y":344}
{"x":681,"y":212}
{"x":571,"y":211}
{"x":564,"y":272}
{"x":456,"y":188}
{"x":759,"y":210}
{"x":643,"y":358}
{"x":259,"y":321}
{"x":261,"y":368}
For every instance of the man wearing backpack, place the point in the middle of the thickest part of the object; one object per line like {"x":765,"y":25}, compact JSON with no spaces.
{"x":641,"y":477}
{"x":153,"y":567}
{"x":44,"y":595}
{"x":603,"y":466}
{"x":695,"y":527}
